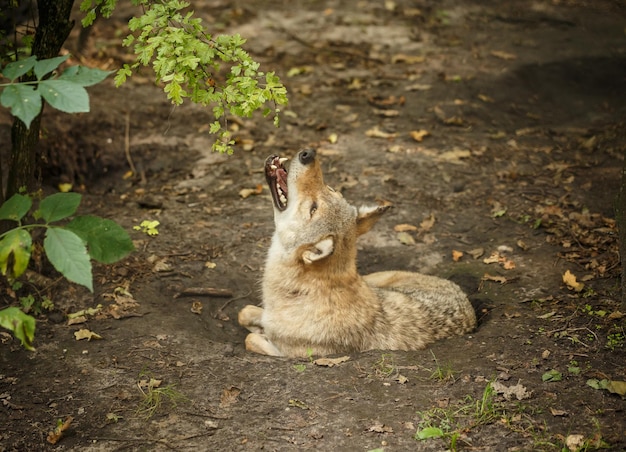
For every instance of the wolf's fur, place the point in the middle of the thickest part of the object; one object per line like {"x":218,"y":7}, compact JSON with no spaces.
{"x":314,"y":300}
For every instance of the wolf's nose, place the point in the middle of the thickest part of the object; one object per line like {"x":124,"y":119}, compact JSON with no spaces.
{"x":306,"y":156}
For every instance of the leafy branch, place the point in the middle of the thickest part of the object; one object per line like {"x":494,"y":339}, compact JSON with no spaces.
{"x":65,"y":91}
{"x":187,"y":59}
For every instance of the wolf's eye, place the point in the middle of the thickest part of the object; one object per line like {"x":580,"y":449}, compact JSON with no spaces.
{"x":313,"y":208}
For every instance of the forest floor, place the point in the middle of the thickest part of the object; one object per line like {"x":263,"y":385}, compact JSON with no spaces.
{"x":497,"y":129}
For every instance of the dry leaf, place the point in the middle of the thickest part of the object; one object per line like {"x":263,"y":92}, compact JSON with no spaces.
{"x":455,"y":155}
{"x":386,"y":113}
{"x":495,"y":278}
{"x":457,"y":255}
{"x":427,"y":224}
{"x":508,"y":265}
{"x":332,"y":138}
{"x":570,"y":280}
{"x":518,"y":391}
{"x":419,"y":135}
{"x":210,"y":265}
{"x":330,"y":362}
{"x":77,"y":320}
{"x":418,"y":87}
{"x":402,"y":379}
{"x":86,"y":334}
{"x":377,"y":133}
{"x":556,"y":412}
{"x":379,"y":427}
{"x":485,"y":98}
{"x":408,"y":59}
{"x":229,"y":396}
{"x":476,"y":253}
{"x":246,"y":192}
{"x":405,"y":238}
{"x":404,"y":227}
{"x":617,"y":387}
{"x":55,"y":435}
{"x":494,"y":258}
{"x":503,"y":55}
{"x":196,"y":307}
{"x":575,"y":442}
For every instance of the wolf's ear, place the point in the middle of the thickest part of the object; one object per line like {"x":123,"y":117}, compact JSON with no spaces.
{"x":320,"y":250}
{"x":367,"y":216}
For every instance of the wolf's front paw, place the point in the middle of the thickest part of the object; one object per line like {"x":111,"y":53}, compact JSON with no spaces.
{"x":250,"y":318}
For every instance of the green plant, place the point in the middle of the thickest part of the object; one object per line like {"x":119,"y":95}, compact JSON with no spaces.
{"x":441,"y":372}
{"x":188,"y":60}
{"x":385,"y":366}
{"x":154,"y":396}
{"x":64,"y":91}
{"x":69,"y":246}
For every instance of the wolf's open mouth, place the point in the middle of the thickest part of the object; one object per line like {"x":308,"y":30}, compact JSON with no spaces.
{"x":276,"y":176}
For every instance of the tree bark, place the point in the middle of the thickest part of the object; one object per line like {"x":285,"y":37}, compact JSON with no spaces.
{"x":620,"y":216}
{"x":52,"y":30}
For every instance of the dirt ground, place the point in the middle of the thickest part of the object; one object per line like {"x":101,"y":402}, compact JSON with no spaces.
{"x":497,"y":130}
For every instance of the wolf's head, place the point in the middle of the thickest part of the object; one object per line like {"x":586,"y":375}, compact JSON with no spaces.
{"x":313,"y":221}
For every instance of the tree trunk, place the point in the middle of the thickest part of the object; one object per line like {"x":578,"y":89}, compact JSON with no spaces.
{"x":620,"y":216}
{"x":52,"y":30}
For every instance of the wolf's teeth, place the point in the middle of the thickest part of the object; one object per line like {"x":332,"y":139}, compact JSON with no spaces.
{"x":283,"y":199}
{"x":282,"y":160}
{"x":274,"y":167}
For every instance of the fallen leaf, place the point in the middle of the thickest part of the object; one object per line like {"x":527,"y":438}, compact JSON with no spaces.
{"x":574,"y":443}
{"x":570,"y":281}
{"x":86,"y":334}
{"x":330,"y":362}
{"x":402,"y":379}
{"x":455,"y":155}
{"x":76,"y":320}
{"x":332,"y":138}
{"x":404,"y":227}
{"x":547,"y":315}
{"x":617,"y":387}
{"x":503,"y":55}
{"x":522,"y":245}
{"x":546,"y":354}
{"x":556,"y":412}
{"x":476,"y":253}
{"x":508,"y":392}
{"x":427,"y":224}
{"x":552,"y":375}
{"x":196,"y":307}
{"x":494,"y":258}
{"x":387,"y":113}
{"x":405,"y":238}
{"x":229,"y":396}
{"x":485,"y":98}
{"x":247,"y":192}
{"x":495,"y":278}
{"x":375,"y":132}
{"x":55,"y":435}
{"x":615,"y":315}
{"x":298,"y":404}
{"x":419,"y":135}
{"x":379,"y":427}
{"x":408,"y":59}
{"x":457,"y":255}
{"x":418,"y":87}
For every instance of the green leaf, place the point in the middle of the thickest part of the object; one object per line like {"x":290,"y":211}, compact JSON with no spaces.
{"x":15,"y":207}
{"x":23,"y":100}
{"x":107,"y":241}
{"x":84,"y":76}
{"x":429,"y":432}
{"x":16,"y":243}
{"x":16,"y":69}
{"x":552,"y":375}
{"x":44,"y":67}
{"x":22,"y":325}
{"x":58,"y":206}
{"x":68,"y":254}
{"x":64,"y":95}
{"x":598,"y":384}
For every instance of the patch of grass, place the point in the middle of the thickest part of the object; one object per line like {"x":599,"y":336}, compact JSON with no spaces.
{"x":385,"y":366}
{"x":442,"y":372}
{"x":154,"y":396}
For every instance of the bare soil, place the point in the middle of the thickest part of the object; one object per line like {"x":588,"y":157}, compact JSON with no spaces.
{"x":524,"y":106}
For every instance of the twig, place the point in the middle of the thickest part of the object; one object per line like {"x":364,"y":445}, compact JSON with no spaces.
{"x":204,"y":291}
{"x":234,"y":299}
{"x":129,"y":159}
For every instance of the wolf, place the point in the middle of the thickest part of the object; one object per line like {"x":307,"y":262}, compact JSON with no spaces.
{"x":314,"y":302}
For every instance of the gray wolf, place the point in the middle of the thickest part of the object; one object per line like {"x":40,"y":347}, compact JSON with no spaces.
{"x":314,"y":300}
